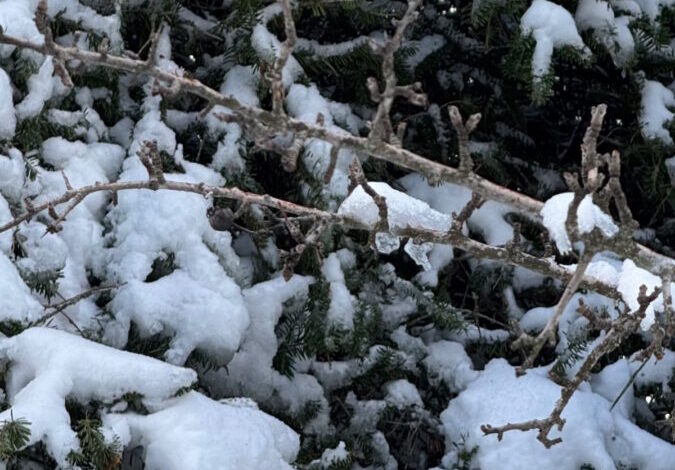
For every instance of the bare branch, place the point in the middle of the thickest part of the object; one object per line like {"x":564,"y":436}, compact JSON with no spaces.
{"x":285,"y":52}
{"x":381,"y":126}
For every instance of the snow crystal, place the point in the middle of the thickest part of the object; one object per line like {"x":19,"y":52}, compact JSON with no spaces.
{"x":47,"y":366}
{"x":591,"y":435}
{"x":656,"y":99}
{"x":552,"y":26}
{"x":448,"y":362}
{"x":194,"y":432}
{"x":589,"y":216}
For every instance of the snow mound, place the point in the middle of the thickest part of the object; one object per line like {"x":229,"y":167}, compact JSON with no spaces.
{"x":591,"y":435}
{"x":47,"y":366}
{"x":195,"y":433}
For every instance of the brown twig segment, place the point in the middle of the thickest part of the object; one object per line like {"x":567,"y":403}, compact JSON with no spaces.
{"x":381,"y":127}
{"x":464,"y":129}
{"x":286,"y":49}
{"x":357,"y":178}
{"x":473,"y":205}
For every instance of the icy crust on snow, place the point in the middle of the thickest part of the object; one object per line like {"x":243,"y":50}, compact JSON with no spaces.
{"x":404,"y":211}
{"x":589,"y":216}
{"x":193,"y":432}
{"x":655,"y":104}
{"x":552,"y":26}
{"x":46,"y":366}
{"x":591,"y":435}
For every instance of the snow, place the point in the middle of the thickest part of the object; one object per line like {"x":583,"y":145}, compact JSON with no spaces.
{"x":404,"y":211}
{"x":264,"y":302}
{"x":16,"y":301}
{"x":12,"y":175}
{"x":654,"y":372}
{"x":591,"y":435}
{"x":552,"y":26}
{"x":306,"y":103}
{"x":198,"y":315}
{"x":193,"y":432}
{"x":16,"y":19}
{"x":334,"y":456}
{"x":42,"y":86}
{"x":656,"y":99}
{"x":613,"y":32}
{"x":342,"y":303}
{"x":448,"y":362}
{"x":450,"y":198}
{"x":8,"y":123}
{"x":589,"y":217}
{"x":631,"y":279}
{"x":47,"y":366}
{"x":402,"y":394}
